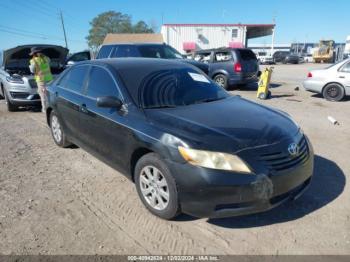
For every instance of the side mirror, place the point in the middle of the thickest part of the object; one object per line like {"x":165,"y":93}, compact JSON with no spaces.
{"x":109,"y":102}
{"x":70,"y":63}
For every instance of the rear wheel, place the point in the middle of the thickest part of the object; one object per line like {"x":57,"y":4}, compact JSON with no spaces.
{"x":10,"y":106}
{"x":221,"y":80}
{"x":156,"y":187}
{"x":333,"y":92}
{"x":57,"y":131}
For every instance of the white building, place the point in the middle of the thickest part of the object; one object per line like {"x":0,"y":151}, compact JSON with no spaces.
{"x":347,"y":46}
{"x":189,"y":37}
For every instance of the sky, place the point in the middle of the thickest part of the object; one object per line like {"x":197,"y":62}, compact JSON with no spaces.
{"x":37,"y":21}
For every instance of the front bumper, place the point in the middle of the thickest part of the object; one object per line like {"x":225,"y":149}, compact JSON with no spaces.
{"x":214,"y":193}
{"x":24,"y":99}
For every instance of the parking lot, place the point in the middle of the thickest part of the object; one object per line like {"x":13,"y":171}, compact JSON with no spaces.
{"x":64,"y":201}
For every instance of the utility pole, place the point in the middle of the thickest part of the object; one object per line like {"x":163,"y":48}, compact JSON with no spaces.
{"x":64,"y":30}
{"x":273,"y":36}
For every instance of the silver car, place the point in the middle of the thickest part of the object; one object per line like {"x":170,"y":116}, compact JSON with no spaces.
{"x":332,"y":82}
{"x":17,"y":85}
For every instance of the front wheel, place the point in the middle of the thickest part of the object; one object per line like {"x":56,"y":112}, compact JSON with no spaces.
{"x":10,"y":107}
{"x":156,"y":187}
{"x":57,"y":132}
{"x":333,"y":92}
{"x":221,"y":80}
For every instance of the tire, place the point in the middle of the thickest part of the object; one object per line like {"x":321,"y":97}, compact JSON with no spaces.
{"x":221,"y":80}
{"x":57,"y":131}
{"x":333,"y":92}
{"x":156,"y":187}
{"x":10,"y":107}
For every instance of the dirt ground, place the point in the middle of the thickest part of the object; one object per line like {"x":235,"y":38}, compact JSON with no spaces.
{"x":64,"y":201}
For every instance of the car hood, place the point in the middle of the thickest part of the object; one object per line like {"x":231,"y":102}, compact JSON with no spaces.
{"x":19,"y":56}
{"x":231,"y":124}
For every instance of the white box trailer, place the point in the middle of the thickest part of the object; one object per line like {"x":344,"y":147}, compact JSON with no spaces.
{"x":189,"y":37}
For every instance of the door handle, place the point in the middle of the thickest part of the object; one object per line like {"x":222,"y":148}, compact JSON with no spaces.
{"x":341,"y":76}
{"x":83,"y":109}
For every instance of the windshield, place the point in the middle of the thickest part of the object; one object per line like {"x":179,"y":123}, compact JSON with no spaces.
{"x":159,"y":51}
{"x":178,"y":87}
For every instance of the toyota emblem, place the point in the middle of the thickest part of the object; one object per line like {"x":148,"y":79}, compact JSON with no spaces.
{"x":293,"y":149}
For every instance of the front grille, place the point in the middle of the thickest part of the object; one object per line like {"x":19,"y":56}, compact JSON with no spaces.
{"x":33,"y":83}
{"x":19,"y":95}
{"x":279,"y":161}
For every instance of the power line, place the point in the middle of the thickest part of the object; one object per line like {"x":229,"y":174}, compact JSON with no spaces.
{"x":30,"y":32}
{"x":33,"y":34}
{"x":20,"y":34}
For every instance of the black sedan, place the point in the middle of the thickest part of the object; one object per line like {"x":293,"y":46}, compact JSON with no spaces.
{"x":188,"y":145}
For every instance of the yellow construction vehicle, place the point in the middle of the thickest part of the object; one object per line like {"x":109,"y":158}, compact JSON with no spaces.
{"x":264,"y":84}
{"x":325,"y":52}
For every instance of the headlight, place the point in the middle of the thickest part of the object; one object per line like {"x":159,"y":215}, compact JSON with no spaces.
{"x":16,"y":80}
{"x":214,"y":160}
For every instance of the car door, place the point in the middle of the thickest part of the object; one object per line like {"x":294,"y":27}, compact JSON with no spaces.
{"x":69,"y":98}
{"x":344,"y":77}
{"x":105,"y":132}
{"x":222,"y":63}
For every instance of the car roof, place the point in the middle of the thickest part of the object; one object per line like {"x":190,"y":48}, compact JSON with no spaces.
{"x":136,"y":44}
{"x":130,"y":62}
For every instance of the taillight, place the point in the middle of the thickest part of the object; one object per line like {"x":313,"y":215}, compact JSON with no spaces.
{"x":309,"y":74}
{"x":237,"y":67}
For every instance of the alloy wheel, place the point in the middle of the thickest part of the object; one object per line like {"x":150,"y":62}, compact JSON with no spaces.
{"x":220,"y":81}
{"x":333,"y":92}
{"x":56,"y":129}
{"x":154,"y":187}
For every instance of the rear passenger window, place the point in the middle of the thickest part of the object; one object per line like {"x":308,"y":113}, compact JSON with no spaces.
{"x":223,"y":56}
{"x":202,"y":57}
{"x":105,"y":51}
{"x":76,"y":78}
{"x":101,"y":83}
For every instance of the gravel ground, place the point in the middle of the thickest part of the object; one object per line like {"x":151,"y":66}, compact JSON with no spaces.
{"x":64,"y":201}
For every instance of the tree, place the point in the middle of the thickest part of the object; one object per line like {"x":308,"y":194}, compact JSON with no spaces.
{"x":113,"y":22}
{"x":142,"y":27}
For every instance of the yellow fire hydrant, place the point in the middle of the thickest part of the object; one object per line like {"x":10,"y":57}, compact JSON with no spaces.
{"x":264,"y":84}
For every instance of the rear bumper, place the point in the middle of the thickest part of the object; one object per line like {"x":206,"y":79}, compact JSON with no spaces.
{"x":243,"y":79}
{"x":214,"y":193}
{"x":313,"y":86}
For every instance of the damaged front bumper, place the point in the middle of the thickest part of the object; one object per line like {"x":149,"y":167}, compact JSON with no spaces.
{"x":215,"y":193}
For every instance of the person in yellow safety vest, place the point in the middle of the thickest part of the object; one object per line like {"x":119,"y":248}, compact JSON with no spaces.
{"x":40,"y":67}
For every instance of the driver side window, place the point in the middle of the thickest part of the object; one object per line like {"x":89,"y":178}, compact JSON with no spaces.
{"x":101,"y":83}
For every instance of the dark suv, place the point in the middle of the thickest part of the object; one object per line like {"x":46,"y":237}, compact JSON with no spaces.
{"x":146,"y":50}
{"x":230,"y":66}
